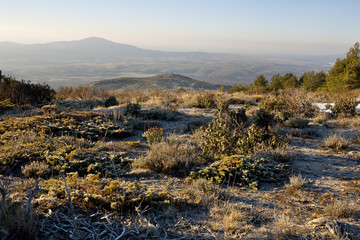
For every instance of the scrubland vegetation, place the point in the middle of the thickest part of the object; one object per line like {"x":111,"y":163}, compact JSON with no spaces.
{"x":251,"y":163}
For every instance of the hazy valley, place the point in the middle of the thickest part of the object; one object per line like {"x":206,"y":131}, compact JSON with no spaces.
{"x":80,"y":62}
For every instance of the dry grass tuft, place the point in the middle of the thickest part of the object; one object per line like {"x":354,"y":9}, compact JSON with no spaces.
{"x":339,"y":209}
{"x":336,"y":143}
{"x":296,"y":183}
{"x":345,"y":122}
{"x":35,"y":169}
{"x":234,"y":219}
{"x":321,"y":118}
{"x":169,"y":157}
{"x":205,"y":192}
{"x":286,"y":228}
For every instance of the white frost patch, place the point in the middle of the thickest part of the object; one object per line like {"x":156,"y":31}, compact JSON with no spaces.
{"x":322,"y":107}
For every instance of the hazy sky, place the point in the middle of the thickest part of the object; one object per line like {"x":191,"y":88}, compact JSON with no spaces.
{"x":284,"y":26}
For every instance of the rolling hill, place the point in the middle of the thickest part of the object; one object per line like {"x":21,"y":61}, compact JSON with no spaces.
{"x":167,"y":81}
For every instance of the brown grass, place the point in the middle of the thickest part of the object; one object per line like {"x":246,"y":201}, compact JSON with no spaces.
{"x":336,"y":143}
{"x":169,"y":157}
{"x":204,"y":192}
{"x":296,"y":183}
{"x":35,"y":169}
{"x":321,"y":118}
{"x":286,"y":227}
{"x":346,"y":122}
{"x":232,"y":218}
{"x":340,"y":209}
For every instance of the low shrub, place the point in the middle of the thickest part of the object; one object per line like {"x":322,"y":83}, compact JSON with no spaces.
{"x":169,"y":157}
{"x":236,"y":117}
{"x":154,"y":135}
{"x":336,"y":143}
{"x":6,"y":105}
{"x":219,"y":138}
{"x":223,"y":138}
{"x":340,"y":209}
{"x":344,"y":107}
{"x":259,"y":139}
{"x":17,"y":219}
{"x":246,"y":169}
{"x":204,"y":192}
{"x":263,"y":118}
{"x":283,"y":116}
{"x":297,"y":122}
{"x":93,"y":192}
{"x":60,"y":154}
{"x":88,"y":125}
{"x":295,"y":183}
{"x":133,"y":109}
{"x":206,"y":100}
{"x":273,"y":104}
{"x":111,"y":101}
{"x":35,"y":169}
{"x":21,"y":93}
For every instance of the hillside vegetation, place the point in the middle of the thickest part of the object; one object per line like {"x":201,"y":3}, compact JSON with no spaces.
{"x":160,"y":82}
{"x":255,"y":163}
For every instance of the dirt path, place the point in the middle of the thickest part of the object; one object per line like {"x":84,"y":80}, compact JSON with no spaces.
{"x":325,"y":167}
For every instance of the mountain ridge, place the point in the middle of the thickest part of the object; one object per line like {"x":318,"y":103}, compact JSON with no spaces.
{"x":86,"y":60}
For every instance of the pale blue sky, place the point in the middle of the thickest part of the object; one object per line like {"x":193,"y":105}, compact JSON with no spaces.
{"x":238,"y":26}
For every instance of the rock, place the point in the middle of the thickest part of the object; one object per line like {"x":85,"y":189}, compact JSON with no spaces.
{"x":319,"y":221}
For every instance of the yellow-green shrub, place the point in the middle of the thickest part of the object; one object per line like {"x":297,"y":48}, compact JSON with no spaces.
{"x":245,"y":169}
{"x":93,"y":192}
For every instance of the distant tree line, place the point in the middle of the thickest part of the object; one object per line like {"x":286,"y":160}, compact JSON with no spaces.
{"x":21,"y":93}
{"x":343,"y":76}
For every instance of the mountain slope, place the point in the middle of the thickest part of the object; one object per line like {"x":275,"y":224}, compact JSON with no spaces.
{"x":167,"y":81}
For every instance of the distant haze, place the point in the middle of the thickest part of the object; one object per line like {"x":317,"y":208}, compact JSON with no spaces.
{"x":311,"y":27}
{"x":73,"y":63}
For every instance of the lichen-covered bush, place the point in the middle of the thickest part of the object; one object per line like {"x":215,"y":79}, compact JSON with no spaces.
{"x":273,"y":104}
{"x":60,"y":154}
{"x":344,"y":107}
{"x":154,"y":135}
{"x":94,"y":192}
{"x":205,"y":100}
{"x":88,"y":125}
{"x":35,"y":169}
{"x":221,"y":138}
{"x":72,"y":158}
{"x":259,"y":139}
{"x":6,"y":105}
{"x":245,"y":169}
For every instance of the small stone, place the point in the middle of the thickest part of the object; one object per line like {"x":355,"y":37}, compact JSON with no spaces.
{"x":318,"y":221}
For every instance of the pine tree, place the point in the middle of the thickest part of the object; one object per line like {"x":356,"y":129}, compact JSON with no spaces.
{"x":345,"y":74}
{"x":260,"y":81}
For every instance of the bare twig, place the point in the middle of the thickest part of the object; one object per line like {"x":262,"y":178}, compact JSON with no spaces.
{"x":69,"y":196}
{"x":31,"y":196}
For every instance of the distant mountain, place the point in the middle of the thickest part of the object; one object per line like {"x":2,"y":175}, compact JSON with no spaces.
{"x":167,"y":81}
{"x":80,"y":62}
